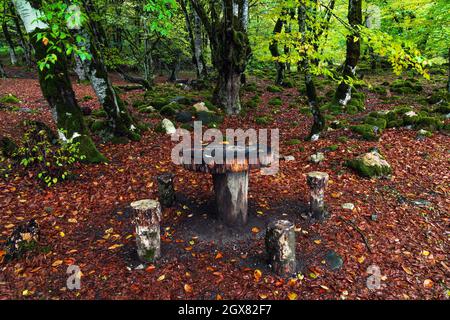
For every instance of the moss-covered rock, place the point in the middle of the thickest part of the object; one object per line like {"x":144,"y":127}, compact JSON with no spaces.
{"x":371,"y":164}
{"x":406,"y":86}
{"x":375,"y":121}
{"x":428,"y":123}
{"x":99,"y":113}
{"x":367,"y":131}
{"x":99,"y":125}
{"x":170,"y":109}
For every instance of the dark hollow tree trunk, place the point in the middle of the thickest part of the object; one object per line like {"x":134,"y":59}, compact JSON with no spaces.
{"x":344,"y":90}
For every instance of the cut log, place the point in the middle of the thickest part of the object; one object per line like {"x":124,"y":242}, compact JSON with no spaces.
{"x":146,"y":219}
{"x":231,"y":190}
{"x":317,"y":181}
{"x":280,"y":247}
{"x":166,"y":190}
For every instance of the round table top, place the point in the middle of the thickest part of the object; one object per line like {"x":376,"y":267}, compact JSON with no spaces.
{"x":235,"y":158}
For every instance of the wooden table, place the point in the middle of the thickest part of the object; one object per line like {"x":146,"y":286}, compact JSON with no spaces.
{"x":230,"y":178}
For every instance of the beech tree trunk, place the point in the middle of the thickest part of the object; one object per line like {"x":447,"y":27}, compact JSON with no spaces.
{"x":11,"y":45}
{"x":120,"y":122}
{"x":27,"y":50}
{"x":311,"y":93}
{"x":230,"y":48}
{"x":166,"y":190}
{"x":344,"y":90}
{"x":317,"y":181}
{"x":56,"y":86}
{"x":273,"y":47}
{"x":2,"y":71}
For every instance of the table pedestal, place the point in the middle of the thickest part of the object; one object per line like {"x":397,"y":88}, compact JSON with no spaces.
{"x":231,"y":190}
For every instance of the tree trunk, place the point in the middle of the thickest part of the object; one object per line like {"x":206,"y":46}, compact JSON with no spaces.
{"x":231,"y":191}
{"x":56,"y":87}
{"x":120,"y":122}
{"x":311,"y":93}
{"x":280,"y":247}
{"x":2,"y":71}
{"x":317,"y":181}
{"x":344,"y":90}
{"x":80,"y":69}
{"x":273,"y":47}
{"x":22,"y":41}
{"x":12,"y":50}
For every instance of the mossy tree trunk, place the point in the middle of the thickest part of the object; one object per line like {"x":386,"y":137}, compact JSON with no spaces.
{"x":311,"y":92}
{"x":56,"y":86}
{"x":120,"y":122}
{"x":230,"y":48}
{"x":11,"y":45}
{"x":344,"y":90}
{"x":273,"y":47}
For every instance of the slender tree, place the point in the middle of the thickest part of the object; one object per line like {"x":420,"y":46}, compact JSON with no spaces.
{"x":344,"y":90}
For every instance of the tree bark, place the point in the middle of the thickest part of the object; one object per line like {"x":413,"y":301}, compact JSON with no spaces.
{"x":11,"y":45}
{"x":280,"y":247}
{"x":230,"y":49}
{"x":231,"y":191}
{"x":273,"y":47}
{"x":57,"y":88}
{"x":311,"y":93}
{"x":146,"y":219}
{"x":22,"y":41}
{"x":2,"y":71}
{"x":344,"y":90}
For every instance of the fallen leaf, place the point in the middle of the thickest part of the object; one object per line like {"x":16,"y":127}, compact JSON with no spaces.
{"x":255,"y":230}
{"x":292,"y":296}
{"x":428,"y":283}
{"x":57,"y":263}
{"x":161,"y":278}
{"x":257,"y":274}
{"x":219,"y":255}
{"x":187,"y":288}
{"x":263,"y":296}
{"x":361,"y":259}
{"x":407,"y":270}
{"x":150,"y":268}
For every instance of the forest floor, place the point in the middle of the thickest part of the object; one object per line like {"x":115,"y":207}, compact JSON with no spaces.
{"x":85,"y":221}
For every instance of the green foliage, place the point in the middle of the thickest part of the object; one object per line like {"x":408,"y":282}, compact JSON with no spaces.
{"x":275,"y":101}
{"x":38,"y":156}
{"x":367,"y":131}
{"x":264,"y":120}
{"x":274,"y":88}
{"x":293,"y":142}
{"x":9,"y":99}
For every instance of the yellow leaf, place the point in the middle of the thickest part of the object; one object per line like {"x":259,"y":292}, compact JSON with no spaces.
{"x":425,"y":253}
{"x":219,"y":297}
{"x":219,"y":255}
{"x":292,"y":296}
{"x":187,"y":288}
{"x":317,"y":241}
{"x":257,"y":274}
{"x":361,"y":259}
{"x":263,"y":296}
{"x":9,"y":226}
{"x":161,"y":278}
{"x":57,"y":263}
{"x":255,"y":230}
{"x":407,"y":270}
{"x":26,"y":292}
{"x":115,"y":246}
{"x":428,"y":283}
{"x":72,"y":220}
{"x":62,"y":234}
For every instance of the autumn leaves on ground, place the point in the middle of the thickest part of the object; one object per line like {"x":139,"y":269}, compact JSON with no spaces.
{"x":398,"y":224}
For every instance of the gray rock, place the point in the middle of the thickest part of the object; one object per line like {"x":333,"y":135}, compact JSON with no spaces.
{"x":333,"y":260}
{"x":317,"y":157}
{"x":184,"y":116}
{"x":348,"y":206}
{"x":168,"y":126}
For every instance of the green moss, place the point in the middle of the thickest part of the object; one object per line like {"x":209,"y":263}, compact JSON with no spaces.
{"x":428,"y":123}
{"x":368,"y":171}
{"x":274,"y":89}
{"x":275,"y":101}
{"x":250,"y":87}
{"x":88,"y":149}
{"x":159,"y":103}
{"x":9,"y":99}
{"x":379,"y":122}
{"x":87,"y":98}
{"x":333,"y":147}
{"x":292,"y":142}
{"x":288,"y":84}
{"x":170,"y":110}
{"x":406,"y":86}
{"x":367,"y":131}
{"x":443,"y":109}
{"x":380,"y":90}
{"x":99,"y":113}
{"x":264,"y":120}
{"x":342,"y":139}
{"x":99,"y":125}
{"x":305,"y":111}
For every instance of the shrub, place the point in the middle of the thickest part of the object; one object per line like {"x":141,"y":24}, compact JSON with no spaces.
{"x":49,"y":162}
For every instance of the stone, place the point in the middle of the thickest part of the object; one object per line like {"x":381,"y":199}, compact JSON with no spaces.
{"x":317,"y":181}
{"x":280,"y":247}
{"x":317,"y":157}
{"x":184,"y":116}
{"x":166,"y":190}
{"x":315,"y":137}
{"x":348,"y":206}
{"x":200,"y":106}
{"x":289,"y":158}
{"x":333,"y":260}
{"x":371,"y":164}
{"x":374,"y":217}
{"x":146,"y":219}
{"x":168,"y":126}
